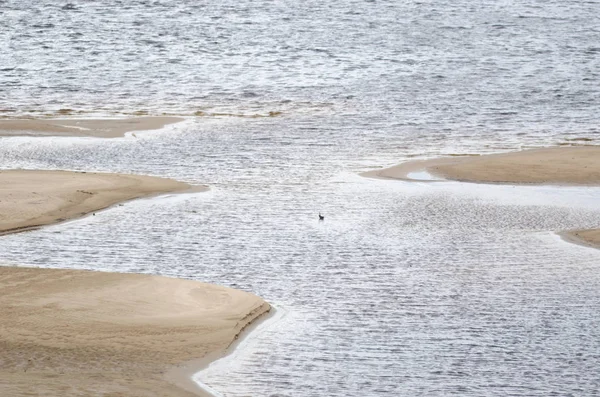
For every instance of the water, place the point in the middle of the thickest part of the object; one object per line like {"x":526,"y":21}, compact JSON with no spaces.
{"x":406,"y":288}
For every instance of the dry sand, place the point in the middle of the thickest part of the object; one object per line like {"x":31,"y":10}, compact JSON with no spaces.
{"x":578,"y":165}
{"x":101,"y":128}
{"x":78,"y":333}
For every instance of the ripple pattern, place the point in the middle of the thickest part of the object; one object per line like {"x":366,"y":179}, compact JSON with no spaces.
{"x":405,"y":288}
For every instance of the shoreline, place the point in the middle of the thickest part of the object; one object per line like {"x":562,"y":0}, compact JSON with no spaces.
{"x":585,"y":237}
{"x":562,"y":166}
{"x":73,"y":127}
{"x":76,"y":216}
{"x":65,"y":332}
{"x":183,"y":375}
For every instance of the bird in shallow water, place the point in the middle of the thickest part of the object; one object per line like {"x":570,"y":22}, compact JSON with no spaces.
{"x":321,"y":217}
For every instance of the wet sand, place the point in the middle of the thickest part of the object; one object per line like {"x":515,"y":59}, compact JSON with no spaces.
{"x":579,"y":165}
{"x":99,"y":128}
{"x":80,"y":333}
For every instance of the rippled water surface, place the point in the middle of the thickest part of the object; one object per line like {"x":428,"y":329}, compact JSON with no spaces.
{"x":406,"y":289}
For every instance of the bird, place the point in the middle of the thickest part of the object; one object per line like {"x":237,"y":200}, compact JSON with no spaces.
{"x":321,"y":217}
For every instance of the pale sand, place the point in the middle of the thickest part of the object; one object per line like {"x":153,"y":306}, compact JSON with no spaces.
{"x":78,"y":333}
{"x":30,"y":199}
{"x":578,"y":165}
{"x":101,"y":128}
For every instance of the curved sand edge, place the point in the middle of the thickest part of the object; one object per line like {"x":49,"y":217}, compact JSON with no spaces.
{"x":99,"y":128}
{"x":184,"y":375}
{"x":578,"y":165}
{"x":33,"y":198}
{"x":72,"y":332}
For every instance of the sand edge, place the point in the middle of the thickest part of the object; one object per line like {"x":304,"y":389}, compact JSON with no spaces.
{"x":181,"y":375}
{"x":585,"y":237}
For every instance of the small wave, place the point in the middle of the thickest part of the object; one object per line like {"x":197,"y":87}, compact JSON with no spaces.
{"x":581,"y":139}
{"x":250,"y":116}
{"x":43,"y":26}
{"x":461,"y":154}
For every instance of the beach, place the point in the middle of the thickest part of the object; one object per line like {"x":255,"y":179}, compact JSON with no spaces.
{"x":98,"y":128}
{"x":69,"y":332}
{"x":577,"y":165}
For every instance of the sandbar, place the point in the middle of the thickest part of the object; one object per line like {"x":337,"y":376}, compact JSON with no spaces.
{"x":34,"y":198}
{"x":577,"y":165}
{"x":99,"y":128}
{"x":82,"y":333}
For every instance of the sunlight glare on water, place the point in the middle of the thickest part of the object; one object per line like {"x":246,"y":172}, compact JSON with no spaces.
{"x":406,"y":288}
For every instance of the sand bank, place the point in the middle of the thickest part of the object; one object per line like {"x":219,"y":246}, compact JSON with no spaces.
{"x":561,"y":165}
{"x":30,"y":199}
{"x":588,"y":238}
{"x":578,"y":165}
{"x":78,"y":333}
{"x":101,"y":128}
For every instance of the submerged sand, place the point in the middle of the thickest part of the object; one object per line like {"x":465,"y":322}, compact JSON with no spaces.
{"x":100,"y":128}
{"x":578,"y":165}
{"x":79,"y":333}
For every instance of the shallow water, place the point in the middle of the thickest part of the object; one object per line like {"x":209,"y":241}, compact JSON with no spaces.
{"x":405,"y":288}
